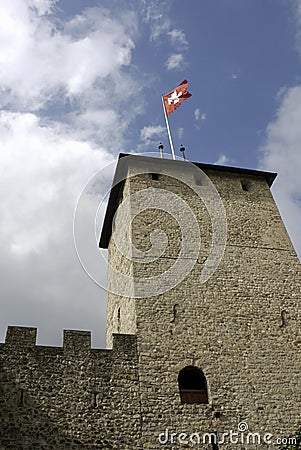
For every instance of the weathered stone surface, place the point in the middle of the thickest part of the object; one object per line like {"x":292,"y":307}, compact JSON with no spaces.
{"x":68,"y":398}
{"x":241,"y":327}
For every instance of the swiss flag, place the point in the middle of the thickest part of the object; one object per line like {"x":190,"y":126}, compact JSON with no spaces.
{"x":173,"y":99}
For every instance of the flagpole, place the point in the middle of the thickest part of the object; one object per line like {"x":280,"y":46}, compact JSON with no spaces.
{"x":168,"y":130}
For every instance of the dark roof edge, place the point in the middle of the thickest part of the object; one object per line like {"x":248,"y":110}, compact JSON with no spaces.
{"x":117,"y":187}
{"x":269,"y":176}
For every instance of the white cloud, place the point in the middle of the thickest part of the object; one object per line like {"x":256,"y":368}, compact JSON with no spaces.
{"x":180,"y":132}
{"x":42,"y":6}
{"x":178,"y":37}
{"x":39,"y":59}
{"x":62,"y":91}
{"x":156,"y":18}
{"x":235,"y":76}
{"x":198,"y":115}
{"x":174,"y":61}
{"x":42,"y":173}
{"x":151,"y":132}
{"x":222,"y":159}
{"x":281,"y":153}
{"x":156,"y":15}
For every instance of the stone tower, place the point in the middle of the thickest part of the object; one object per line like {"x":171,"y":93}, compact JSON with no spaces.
{"x":203,"y":325}
{"x":218,"y":344}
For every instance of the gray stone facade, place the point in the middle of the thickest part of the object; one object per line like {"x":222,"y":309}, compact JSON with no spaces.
{"x":241,"y":327}
{"x":72,"y":397}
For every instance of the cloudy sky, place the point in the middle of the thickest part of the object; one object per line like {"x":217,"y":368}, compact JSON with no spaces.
{"x":82,"y":80}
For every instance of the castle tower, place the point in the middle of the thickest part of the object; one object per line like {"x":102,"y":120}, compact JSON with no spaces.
{"x":203,"y":273}
{"x":203,"y":325}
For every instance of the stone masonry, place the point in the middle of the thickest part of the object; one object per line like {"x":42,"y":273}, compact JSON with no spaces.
{"x":241,"y":328}
{"x":72,"y":397}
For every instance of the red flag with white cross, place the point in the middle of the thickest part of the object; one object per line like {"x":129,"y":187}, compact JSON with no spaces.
{"x":173,"y":99}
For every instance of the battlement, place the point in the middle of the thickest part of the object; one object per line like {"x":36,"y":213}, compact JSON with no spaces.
{"x":17,"y":335}
{"x":50,"y":394}
{"x":74,"y":341}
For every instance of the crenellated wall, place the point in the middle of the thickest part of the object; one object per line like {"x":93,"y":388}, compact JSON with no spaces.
{"x":68,"y":397}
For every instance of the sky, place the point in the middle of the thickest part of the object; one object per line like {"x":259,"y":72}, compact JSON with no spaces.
{"x":81,"y":81}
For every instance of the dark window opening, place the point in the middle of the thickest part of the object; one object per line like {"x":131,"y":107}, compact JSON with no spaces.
{"x":94,"y":399}
{"x":21,"y":399}
{"x":155,"y":176}
{"x":175,"y":313}
{"x":118,"y":320}
{"x":192,"y":385}
{"x":245,"y":186}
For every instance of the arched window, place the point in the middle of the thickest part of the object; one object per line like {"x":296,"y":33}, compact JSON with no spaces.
{"x":192,"y":385}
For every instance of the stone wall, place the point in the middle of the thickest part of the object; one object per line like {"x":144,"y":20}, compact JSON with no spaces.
{"x":72,"y":397}
{"x":121,"y":311}
{"x":241,"y":327}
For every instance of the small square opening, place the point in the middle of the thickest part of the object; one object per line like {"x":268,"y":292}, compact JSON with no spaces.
{"x":154,"y":176}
